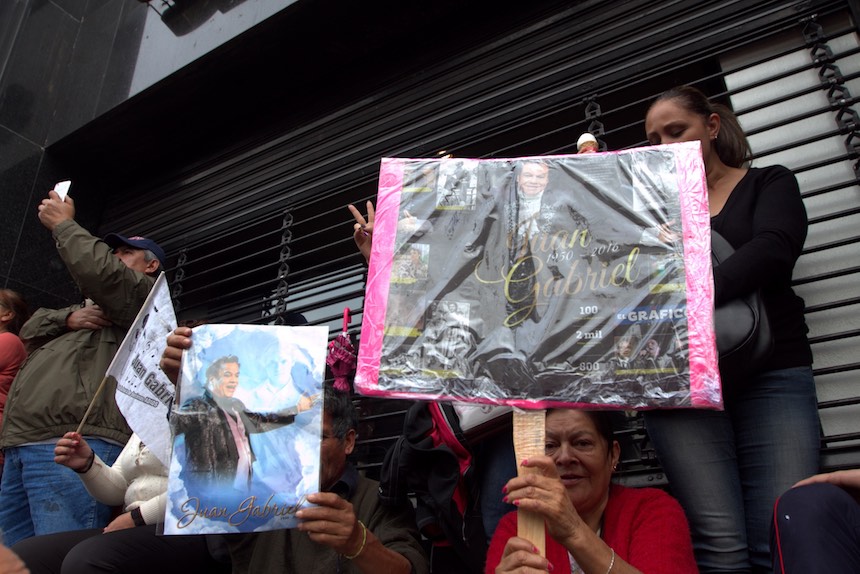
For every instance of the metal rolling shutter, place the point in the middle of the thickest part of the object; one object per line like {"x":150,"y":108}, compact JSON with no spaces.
{"x":264,"y":225}
{"x":796,"y":97}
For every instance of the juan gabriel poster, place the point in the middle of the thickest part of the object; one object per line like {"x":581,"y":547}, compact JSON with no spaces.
{"x":578,"y":280}
{"x":247,"y":426}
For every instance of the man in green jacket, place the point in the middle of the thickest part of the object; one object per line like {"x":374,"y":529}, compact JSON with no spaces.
{"x":56,"y":384}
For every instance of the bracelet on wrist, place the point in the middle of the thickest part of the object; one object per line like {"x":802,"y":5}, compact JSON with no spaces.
{"x":612,"y":561}
{"x":363,"y":542}
{"x":137,"y":517}
{"x":89,"y":464}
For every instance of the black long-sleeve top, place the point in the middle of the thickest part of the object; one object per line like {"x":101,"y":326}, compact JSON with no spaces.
{"x":765,"y":221}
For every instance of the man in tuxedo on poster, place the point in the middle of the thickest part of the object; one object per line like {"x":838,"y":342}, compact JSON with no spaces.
{"x":524,"y":262}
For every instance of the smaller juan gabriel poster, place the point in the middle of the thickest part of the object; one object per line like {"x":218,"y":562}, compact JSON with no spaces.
{"x":247,"y":427}
{"x":546,"y":281}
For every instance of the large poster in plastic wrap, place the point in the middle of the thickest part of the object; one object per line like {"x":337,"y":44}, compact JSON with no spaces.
{"x":535,"y":282}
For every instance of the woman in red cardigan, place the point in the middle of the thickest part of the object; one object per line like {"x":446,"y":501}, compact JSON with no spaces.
{"x":592,"y":526}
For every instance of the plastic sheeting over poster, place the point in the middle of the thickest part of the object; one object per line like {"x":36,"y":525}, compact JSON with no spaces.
{"x":557,"y":280}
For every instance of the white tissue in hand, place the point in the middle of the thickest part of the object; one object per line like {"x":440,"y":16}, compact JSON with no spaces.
{"x":62,"y":189}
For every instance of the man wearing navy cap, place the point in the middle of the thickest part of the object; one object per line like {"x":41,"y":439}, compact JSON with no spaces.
{"x":71,"y":349}
{"x":135,"y":251}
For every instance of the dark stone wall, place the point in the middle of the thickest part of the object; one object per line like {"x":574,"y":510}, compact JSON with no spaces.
{"x":54,"y":58}
{"x":63,"y":65}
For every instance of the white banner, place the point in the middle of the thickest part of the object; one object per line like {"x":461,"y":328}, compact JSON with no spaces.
{"x":143,"y":392}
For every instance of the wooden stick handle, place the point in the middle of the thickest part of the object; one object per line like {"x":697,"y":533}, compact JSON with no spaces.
{"x":92,"y":402}
{"x":529,"y":437}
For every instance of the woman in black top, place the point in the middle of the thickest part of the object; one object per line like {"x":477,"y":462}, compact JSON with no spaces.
{"x":727,"y":468}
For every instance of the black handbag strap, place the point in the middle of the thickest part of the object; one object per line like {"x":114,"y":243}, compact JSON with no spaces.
{"x":721,"y":249}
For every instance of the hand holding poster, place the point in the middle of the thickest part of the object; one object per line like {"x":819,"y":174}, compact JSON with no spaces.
{"x":566,"y":280}
{"x":247,"y":425}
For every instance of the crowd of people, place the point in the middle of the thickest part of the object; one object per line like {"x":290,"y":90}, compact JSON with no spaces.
{"x":90,"y":499}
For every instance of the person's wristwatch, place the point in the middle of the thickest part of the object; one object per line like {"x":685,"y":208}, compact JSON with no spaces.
{"x":137,"y":517}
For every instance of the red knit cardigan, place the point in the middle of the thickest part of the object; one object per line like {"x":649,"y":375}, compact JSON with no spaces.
{"x":645,"y":526}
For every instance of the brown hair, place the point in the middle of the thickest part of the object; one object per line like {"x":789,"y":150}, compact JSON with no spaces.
{"x":13,"y":301}
{"x":731,"y":144}
{"x":213,"y":372}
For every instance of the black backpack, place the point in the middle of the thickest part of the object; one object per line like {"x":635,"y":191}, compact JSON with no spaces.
{"x":431,"y":460}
